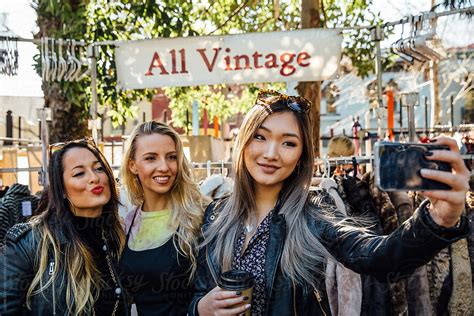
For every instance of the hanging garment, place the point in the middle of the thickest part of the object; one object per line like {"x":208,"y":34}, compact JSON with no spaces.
{"x":470,"y":238}
{"x":356,"y":195}
{"x":460,"y":301}
{"x":418,"y":293}
{"x":17,"y":205}
{"x":417,"y":286}
{"x":343,"y":286}
{"x":389,"y":219}
{"x":216,"y":186}
{"x":409,"y":296}
{"x":403,"y":205}
{"x":3,"y":192}
{"x":438,"y":272}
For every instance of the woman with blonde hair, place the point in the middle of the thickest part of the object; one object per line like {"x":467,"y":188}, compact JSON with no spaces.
{"x":341,"y":146}
{"x":271,"y":228}
{"x":63,"y":261}
{"x":162,"y":231}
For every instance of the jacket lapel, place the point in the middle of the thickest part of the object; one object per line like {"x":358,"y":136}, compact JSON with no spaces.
{"x":273,"y":253}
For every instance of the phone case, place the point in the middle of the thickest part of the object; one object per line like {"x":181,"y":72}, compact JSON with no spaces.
{"x":397,"y":166}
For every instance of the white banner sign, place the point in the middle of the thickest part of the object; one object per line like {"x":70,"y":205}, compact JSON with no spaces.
{"x":302,"y":55}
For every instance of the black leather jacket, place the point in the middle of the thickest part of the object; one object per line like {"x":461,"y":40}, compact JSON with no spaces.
{"x":385,"y":257}
{"x":17,"y":264}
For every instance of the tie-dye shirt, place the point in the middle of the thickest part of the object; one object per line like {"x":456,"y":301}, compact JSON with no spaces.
{"x":150,"y":229}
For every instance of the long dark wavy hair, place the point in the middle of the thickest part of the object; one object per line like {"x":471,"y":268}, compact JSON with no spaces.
{"x":74,"y":263}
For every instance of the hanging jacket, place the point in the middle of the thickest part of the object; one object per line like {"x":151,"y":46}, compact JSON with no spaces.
{"x":11,"y":211}
{"x":385,"y":257}
{"x":461,"y":296}
{"x":343,"y":286}
{"x":416,"y":286}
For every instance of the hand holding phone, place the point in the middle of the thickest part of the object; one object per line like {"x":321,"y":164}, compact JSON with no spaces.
{"x":398,"y":165}
{"x":446,"y":206}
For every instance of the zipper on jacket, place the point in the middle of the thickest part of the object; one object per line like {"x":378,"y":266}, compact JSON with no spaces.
{"x":318,"y":297}
{"x":51,"y":272}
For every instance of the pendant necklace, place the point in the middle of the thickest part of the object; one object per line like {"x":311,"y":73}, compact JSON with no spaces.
{"x":250,"y":227}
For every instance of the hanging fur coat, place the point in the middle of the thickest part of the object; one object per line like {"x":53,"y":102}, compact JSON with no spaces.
{"x":409,"y":296}
{"x":343,"y":286}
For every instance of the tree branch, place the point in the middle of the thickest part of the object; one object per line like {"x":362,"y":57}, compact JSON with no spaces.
{"x":231,"y":16}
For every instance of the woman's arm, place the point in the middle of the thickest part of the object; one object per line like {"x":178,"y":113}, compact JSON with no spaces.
{"x":16,"y":269}
{"x":435,"y":225}
{"x":394,"y":256}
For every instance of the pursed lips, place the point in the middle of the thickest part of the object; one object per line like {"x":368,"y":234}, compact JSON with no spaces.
{"x":97,"y":190}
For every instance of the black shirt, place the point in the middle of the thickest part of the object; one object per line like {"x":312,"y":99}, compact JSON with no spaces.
{"x":157,"y":279}
{"x":90,"y":232}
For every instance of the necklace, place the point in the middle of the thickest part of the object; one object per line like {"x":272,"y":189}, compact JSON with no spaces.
{"x":118,"y":289}
{"x":250,"y":227}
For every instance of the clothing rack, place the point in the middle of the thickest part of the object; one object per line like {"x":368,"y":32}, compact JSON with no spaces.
{"x":92,"y":54}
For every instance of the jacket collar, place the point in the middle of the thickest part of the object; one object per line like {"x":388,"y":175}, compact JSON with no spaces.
{"x":274,"y":250}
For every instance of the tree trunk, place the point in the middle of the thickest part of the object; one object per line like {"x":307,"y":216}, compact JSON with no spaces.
{"x":69,"y":119}
{"x":310,"y":18}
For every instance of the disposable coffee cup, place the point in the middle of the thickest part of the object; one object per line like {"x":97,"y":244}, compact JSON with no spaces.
{"x":238,"y":280}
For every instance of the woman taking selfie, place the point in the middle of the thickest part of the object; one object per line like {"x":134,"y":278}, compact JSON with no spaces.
{"x":63,"y":262}
{"x":272,"y":229}
{"x":162,"y":231}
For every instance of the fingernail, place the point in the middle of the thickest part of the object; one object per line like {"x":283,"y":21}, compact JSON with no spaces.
{"x":238,"y":293}
{"x":247,"y":306}
{"x":245,"y":298}
{"x":425,"y":172}
{"x":428,"y":153}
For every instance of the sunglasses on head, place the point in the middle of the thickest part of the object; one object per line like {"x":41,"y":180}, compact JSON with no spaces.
{"x":295,"y":103}
{"x":58,"y":146}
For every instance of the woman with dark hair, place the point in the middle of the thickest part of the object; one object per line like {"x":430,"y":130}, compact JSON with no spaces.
{"x":63,"y":261}
{"x":271,"y":228}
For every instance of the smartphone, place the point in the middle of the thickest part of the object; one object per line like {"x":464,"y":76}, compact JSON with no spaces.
{"x":397,"y":166}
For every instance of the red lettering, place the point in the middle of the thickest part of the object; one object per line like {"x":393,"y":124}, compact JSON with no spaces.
{"x":238,"y":58}
{"x":210,"y":66}
{"x":255,"y":56}
{"x":286,"y":60}
{"x":183,"y":61}
{"x":271,"y":61}
{"x":302,"y":57}
{"x":156,"y":63}
{"x":173,"y":61}
{"x":227,"y":60}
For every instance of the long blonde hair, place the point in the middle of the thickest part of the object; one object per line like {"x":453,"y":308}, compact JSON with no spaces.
{"x":78,"y":271}
{"x":302,"y":252}
{"x":187,"y":203}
